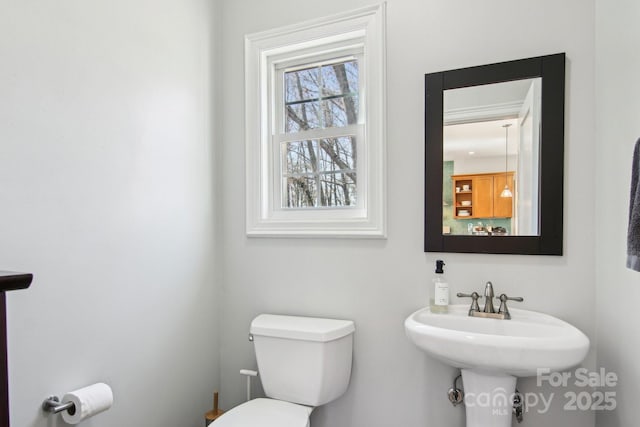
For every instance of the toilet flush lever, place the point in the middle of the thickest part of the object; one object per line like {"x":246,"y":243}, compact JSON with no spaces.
{"x":251,"y":337}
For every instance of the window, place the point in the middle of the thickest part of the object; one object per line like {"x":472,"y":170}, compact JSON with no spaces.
{"x":315,"y":128}
{"x":319,"y":135}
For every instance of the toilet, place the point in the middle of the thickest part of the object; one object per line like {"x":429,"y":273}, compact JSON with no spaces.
{"x":303,"y":362}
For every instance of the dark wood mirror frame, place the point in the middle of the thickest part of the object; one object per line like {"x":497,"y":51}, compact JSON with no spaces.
{"x":551,"y":69}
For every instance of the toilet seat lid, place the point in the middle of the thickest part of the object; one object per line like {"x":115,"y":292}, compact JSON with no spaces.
{"x":266,"y":413}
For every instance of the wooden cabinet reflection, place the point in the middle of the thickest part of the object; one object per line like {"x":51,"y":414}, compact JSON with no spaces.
{"x":478,"y":195}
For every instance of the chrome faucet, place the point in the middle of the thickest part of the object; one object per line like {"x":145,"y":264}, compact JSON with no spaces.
{"x":489,"y":309}
{"x":488,"y":298}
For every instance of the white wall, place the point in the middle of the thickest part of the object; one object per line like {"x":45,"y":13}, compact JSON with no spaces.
{"x":106,"y":196}
{"x":471,"y":165}
{"x":378,"y":283}
{"x":618,"y":127}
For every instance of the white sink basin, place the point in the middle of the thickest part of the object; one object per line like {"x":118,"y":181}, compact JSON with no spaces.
{"x":492,"y":353}
{"x":518,"y":347}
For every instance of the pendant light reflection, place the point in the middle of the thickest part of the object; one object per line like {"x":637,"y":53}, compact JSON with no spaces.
{"x":506,"y":192}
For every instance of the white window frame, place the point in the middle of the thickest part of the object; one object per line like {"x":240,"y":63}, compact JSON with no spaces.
{"x":360,"y":33}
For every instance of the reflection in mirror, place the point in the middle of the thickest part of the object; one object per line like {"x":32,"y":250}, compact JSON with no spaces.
{"x":491,"y":144}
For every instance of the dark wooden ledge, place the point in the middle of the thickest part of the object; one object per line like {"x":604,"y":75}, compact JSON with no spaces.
{"x":9,"y":281}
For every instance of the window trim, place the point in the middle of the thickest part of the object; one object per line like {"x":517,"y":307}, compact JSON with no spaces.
{"x":268,"y":52}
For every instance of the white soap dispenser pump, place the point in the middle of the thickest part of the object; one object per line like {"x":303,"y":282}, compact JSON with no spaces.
{"x":439,"y":302}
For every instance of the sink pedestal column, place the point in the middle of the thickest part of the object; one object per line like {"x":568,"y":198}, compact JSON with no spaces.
{"x":488,"y":398}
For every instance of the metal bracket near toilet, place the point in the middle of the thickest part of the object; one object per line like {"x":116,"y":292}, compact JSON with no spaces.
{"x":249,"y":373}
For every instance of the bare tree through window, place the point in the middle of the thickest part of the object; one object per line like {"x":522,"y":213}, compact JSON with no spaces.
{"x":320,"y":171}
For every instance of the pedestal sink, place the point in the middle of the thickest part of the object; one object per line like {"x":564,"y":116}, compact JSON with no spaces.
{"x":492,"y":353}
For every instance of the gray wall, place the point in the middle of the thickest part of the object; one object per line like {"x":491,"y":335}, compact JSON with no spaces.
{"x":378,"y":283}
{"x":106,"y":196}
{"x":618,"y":127}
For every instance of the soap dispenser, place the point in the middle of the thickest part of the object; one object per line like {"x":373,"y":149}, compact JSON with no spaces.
{"x":439,"y":302}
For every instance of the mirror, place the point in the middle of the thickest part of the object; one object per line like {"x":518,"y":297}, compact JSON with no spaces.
{"x":494,"y":144}
{"x":491,"y":142}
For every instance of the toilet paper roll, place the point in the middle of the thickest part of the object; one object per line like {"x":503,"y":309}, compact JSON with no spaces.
{"x":88,"y":401}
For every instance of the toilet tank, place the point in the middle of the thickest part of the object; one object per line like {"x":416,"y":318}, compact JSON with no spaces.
{"x":303,"y":360}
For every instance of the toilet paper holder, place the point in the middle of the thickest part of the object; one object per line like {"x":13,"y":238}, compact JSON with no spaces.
{"x":53,"y":406}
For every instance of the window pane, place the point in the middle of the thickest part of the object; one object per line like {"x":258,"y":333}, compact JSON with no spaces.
{"x":340,"y":111}
{"x":340,"y":79}
{"x":302,"y":85}
{"x":321,"y":97}
{"x":337,"y":154}
{"x":300,"y":192}
{"x":340,"y":91}
{"x":300,"y":157}
{"x":303,"y":116}
{"x":338,"y":189}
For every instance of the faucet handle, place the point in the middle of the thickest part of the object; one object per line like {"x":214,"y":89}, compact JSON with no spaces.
{"x":474,"y":301}
{"x":473,"y":295}
{"x":503,"y":304}
{"x":508,"y":298}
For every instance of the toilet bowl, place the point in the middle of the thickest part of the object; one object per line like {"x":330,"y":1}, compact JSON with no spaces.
{"x":303,"y":362}
{"x":266,"y":413}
